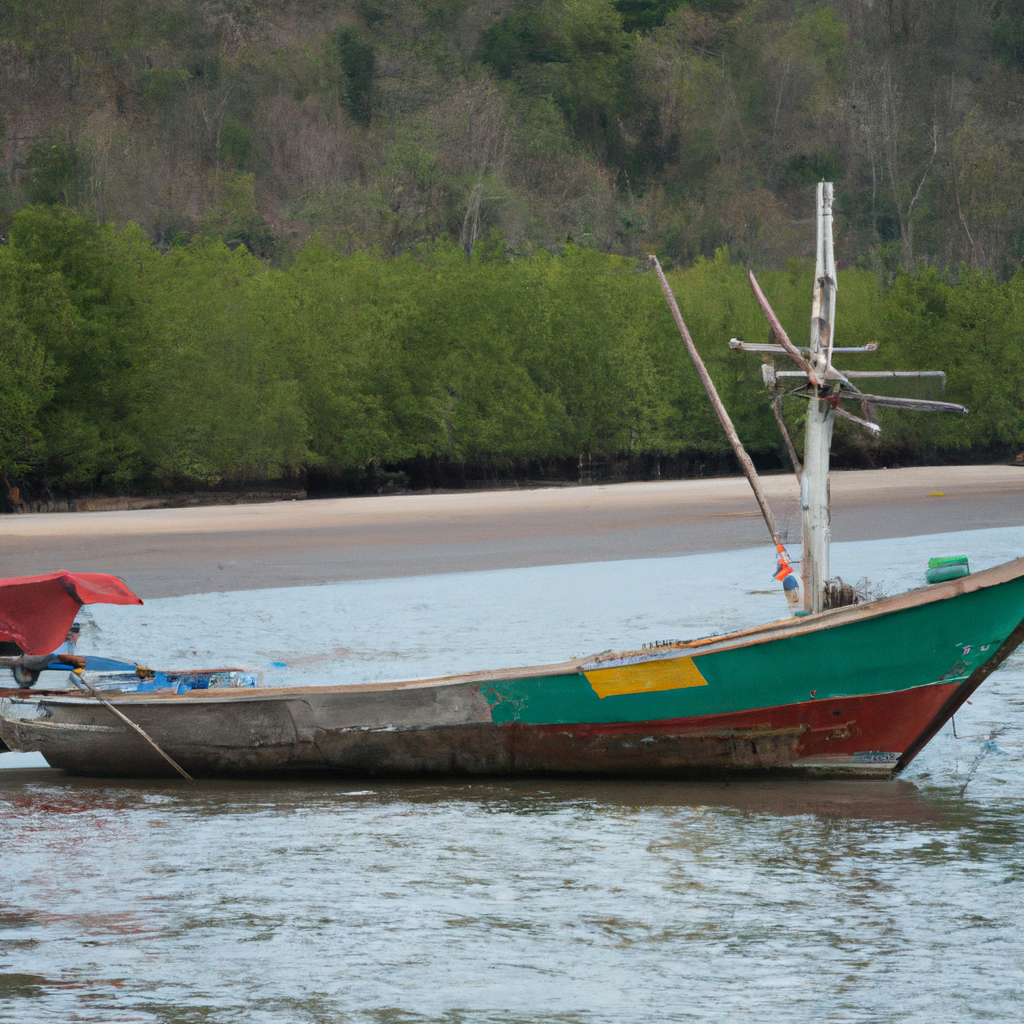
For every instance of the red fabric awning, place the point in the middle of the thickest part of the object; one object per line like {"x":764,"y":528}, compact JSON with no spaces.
{"x":36,"y":612}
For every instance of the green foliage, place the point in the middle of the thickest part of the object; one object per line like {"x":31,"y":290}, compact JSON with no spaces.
{"x":235,"y":219}
{"x":54,"y":173}
{"x":402,"y":136}
{"x":643,"y":15}
{"x":7,"y":200}
{"x":1008,"y":32}
{"x":160,"y":88}
{"x":26,"y":375}
{"x":238,"y":147}
{"x":634,"y":125}
{"x":126,"y":367}
{"x":372,"y":11}
{"x":89,"y":427}
{"x":221,"y":400}
{"x":574,"y":51}
{"x":358,"y":63}
{"x":810,"y":168}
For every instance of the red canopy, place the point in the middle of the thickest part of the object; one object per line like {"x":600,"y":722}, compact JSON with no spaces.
{"x":36,"y":612}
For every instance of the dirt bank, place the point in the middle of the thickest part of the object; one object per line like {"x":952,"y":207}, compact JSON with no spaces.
{"x":162,"y":552}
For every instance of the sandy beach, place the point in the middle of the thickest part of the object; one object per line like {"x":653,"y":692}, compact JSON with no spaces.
{"x":168,"y":552}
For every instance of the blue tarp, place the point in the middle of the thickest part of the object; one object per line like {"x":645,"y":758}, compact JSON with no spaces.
{"x":95,"y":665}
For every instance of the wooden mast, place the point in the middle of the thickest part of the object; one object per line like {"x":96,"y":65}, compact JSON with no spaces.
{"x":826,"y":388}
{"x":821,"y":416}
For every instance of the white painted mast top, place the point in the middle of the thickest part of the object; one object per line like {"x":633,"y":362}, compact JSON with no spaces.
{"x":823,"y":307}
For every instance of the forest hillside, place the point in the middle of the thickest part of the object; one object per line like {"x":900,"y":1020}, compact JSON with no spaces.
{"x":628,"y":125}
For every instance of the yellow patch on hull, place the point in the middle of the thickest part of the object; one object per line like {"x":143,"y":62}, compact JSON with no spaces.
{"x":646,"y":677}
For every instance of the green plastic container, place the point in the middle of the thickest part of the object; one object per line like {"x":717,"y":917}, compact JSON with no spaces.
{"x":936,"y":563}
{"x":951,"y":568}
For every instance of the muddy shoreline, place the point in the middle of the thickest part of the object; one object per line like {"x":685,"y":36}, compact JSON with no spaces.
{"x":171,"y":551}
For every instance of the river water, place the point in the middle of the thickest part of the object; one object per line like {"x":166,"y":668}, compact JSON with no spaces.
{"x":539,"y":901}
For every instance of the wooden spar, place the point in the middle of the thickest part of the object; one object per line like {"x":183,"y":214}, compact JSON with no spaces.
{"x":814,"y":492}
{"x":743,"y":346}
{"x":790,"y":349}
{"x":778,"y":350}
{"x":814,"y":489}
{"x":917,"y":404}
{"x":874,"y":428}
{"x":823,"y":304}
{"x":723,"y":416}
{"x":895,"y":374}
{"x":790,"y":447}
{"x":874,"y":374}
{"x":138,"y":728}
{"x":886,"y":401}
{"x":814,"y":503}
{"x":771,"y":380}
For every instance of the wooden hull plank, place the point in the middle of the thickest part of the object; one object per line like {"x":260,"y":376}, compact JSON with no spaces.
{"x":843,"y":735}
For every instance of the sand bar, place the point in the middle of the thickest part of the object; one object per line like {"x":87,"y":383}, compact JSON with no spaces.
{"x":164,"y":552}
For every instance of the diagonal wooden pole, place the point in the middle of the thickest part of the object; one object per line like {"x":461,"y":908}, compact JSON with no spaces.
{"x":780,"y":419}
{"x":872,"y":428}
{"x":138,"y":728}
{"x":776,"y":325}
{"x":723,"y":416}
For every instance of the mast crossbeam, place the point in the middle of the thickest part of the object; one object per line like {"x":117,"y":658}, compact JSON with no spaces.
{"x":872,"y":374}
{"x":779,"y":350}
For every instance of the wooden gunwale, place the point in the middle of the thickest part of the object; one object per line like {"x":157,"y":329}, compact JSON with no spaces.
{"x":783,"y":628}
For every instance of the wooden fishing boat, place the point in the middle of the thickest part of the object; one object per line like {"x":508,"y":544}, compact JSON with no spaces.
{"x":857,"y":690}
{"x":839,"y":688}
